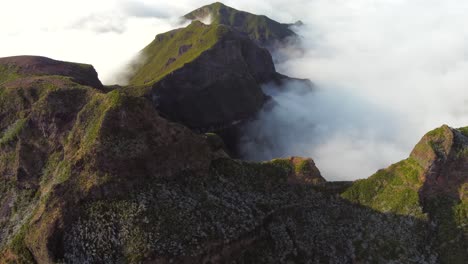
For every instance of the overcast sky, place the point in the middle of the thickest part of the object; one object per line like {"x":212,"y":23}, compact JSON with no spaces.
{"x":388,"y":70}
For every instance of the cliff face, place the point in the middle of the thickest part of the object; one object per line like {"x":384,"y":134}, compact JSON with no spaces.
{"x":218,"y":88}
{"x":213,"y":87}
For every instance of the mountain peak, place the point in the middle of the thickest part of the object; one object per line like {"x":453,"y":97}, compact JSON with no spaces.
{"x":261,"y":29}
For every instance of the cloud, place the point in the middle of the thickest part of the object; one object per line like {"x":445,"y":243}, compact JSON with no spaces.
{"x":342,"y":131}
{"x":386,"y":73}
{"x":100,"y":23}
{"x":142,"y":9}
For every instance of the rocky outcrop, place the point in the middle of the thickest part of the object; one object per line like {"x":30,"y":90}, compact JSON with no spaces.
{"x":301,"y":170}
{"x":443,"y":153}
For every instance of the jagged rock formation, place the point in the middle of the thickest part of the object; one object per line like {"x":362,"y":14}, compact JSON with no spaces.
{"x":261,"y":29}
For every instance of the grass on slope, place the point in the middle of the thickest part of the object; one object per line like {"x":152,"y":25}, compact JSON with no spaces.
{"x":171,"y":50}
{"x":8,"y":73}
{"x":394,"y":189}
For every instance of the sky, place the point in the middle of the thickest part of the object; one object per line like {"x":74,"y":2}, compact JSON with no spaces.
{"x":386,"y":71}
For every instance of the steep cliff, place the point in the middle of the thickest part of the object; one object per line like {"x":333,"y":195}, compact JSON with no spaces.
{"x":204,"y":75}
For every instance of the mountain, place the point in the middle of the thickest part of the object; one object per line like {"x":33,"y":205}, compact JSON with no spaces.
{"x":209,"y":77}
{"x":431,"y":184}
{"x":261,"y":29}
{"x":93,"y":176}
{"x":204,"y":76}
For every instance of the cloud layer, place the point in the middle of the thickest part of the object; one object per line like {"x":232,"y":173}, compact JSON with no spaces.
{"x":386,"y":71}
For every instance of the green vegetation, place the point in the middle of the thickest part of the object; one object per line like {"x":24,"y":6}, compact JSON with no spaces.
{"x":8,"y":73}
{"x":259,"y":28}
{"x":171,"y":50}
{"x":90,"y":118}
{"x":303,"y":167}
{"x":394,"y":189}
{"x":284,"y":164}
{"x":13,"y":131}
{"x":19,"y":248}
{"x":464,"y":131}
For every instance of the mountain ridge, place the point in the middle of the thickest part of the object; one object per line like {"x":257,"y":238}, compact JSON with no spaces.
{"x":93,"y":174}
